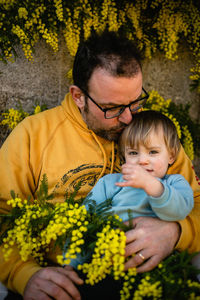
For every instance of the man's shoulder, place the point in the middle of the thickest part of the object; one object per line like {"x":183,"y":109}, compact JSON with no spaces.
{"x":45,"y":119}
{"x":54,"y":111}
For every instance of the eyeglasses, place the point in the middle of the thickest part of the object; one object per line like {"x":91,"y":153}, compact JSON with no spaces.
{"x":116,"y":111}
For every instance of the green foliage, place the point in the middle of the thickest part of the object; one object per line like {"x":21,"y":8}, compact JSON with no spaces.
{"x":42,"y":193}
{"x":69,"y":198}
{"x":173,"y":274}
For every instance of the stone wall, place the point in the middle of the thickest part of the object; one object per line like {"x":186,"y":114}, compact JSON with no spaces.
{"x":45,"y":80}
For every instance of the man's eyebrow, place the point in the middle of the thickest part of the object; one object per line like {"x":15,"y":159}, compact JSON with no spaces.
{"x":116,"y":105}
{"x":111,"y":104}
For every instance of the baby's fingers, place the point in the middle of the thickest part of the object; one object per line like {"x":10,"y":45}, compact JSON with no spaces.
{"x":122,"y":184}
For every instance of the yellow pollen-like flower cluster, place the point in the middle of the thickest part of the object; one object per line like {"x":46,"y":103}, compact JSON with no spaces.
{"x":7,"y":3}
{"x":157,"y":102}
{"x":35,"y":239}
{"x":37,"y":109}
{"x":113,"y":22}
{"x":59,"y":9}
{"x":134,"y":14}
{"x":188,"y":142}
{"x":195,"y":284}
{"x":147,"y":289}
{"x":50,"y":37}
{"x":24,"y":40}
{"x":13,"y":117}
{"x":72,"y":31}
{"x":169,"y":25}
{"x":108,"y":256}
{"x":22,"y":13}
{"x":19,"y":234}
{"x":176,"y":123}
{"x":129,"y":279}
{"x":35,"y":17}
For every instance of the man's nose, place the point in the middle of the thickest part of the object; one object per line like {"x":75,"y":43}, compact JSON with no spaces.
{"x":126,"y":116}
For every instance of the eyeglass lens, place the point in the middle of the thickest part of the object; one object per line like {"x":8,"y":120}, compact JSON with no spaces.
{"x":114,"y":112}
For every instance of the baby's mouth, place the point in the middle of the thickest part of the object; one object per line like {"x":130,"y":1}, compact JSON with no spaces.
{"x":150,"y":171}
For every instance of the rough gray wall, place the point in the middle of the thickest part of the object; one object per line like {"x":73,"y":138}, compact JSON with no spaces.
{"x":45,"y":80}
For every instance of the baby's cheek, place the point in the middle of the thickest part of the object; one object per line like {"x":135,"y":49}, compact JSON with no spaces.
{"x":160,"y":164}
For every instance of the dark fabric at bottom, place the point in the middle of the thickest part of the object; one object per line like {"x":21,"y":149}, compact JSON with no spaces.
{"x":106,"y":289}
{"x":13,"y":296}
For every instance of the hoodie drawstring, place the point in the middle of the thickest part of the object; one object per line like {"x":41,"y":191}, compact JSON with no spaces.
{"x":104,"y":156}
{"x":112,"y":158}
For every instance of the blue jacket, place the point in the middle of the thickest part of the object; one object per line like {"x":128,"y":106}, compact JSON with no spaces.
{"x":174,"y":204}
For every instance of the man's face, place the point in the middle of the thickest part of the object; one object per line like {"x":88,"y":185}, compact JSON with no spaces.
{"x":109,"y":91}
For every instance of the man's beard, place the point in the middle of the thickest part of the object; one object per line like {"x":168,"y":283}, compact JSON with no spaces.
{"x":112,"y":134}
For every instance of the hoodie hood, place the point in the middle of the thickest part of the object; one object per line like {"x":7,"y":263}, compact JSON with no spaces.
{"x":73,"y":114}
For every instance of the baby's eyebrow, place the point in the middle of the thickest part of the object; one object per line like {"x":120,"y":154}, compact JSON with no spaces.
{"x":153,"y":147}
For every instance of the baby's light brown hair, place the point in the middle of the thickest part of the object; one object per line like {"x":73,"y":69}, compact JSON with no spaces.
{"x":143,"y":123}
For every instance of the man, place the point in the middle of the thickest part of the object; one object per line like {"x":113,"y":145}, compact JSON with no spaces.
{"x":76,"y":141}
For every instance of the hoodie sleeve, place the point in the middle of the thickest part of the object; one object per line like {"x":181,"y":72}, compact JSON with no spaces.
{"x":16,"y":174}
{"x":190,"y":226}
{"x":176,"y":201}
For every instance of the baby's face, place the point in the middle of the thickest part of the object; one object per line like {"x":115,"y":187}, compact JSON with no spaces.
{"x":154,"y":158}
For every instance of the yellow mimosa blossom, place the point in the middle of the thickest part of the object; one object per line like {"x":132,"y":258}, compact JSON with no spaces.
{"x":13,"y":117}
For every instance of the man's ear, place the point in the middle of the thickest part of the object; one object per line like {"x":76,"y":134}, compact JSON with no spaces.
{"x":78,"y":96}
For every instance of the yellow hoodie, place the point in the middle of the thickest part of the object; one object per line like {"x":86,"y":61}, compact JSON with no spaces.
{"x":58,"y":143}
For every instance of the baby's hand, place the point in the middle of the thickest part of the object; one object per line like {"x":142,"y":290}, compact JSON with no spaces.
{"x":135,"y":176}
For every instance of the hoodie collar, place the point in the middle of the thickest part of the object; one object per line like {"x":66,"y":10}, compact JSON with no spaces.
{"x":73,"y":113}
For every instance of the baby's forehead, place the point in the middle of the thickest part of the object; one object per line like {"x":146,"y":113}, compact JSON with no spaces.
{"x":147,"y":138}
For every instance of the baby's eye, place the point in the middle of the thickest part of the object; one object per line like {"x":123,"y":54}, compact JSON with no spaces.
{"x":153,"y":152}
{"x":132,"y":153}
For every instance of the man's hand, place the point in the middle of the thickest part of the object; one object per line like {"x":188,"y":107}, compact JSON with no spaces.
{"x":53,"y":282}
{"x":151,"y":241}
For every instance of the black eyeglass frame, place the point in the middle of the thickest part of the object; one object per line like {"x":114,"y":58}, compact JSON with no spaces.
{"x":123,"y":107}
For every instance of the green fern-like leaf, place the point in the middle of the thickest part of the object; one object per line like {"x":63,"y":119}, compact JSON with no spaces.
{"x":42,"y":193}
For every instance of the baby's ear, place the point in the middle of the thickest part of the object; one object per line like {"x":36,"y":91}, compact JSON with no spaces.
{"x":171,"y":158}
{"x":77,"y":95}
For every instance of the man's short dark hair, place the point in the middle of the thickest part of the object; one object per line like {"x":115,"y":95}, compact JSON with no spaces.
{"x":108,"y":50}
